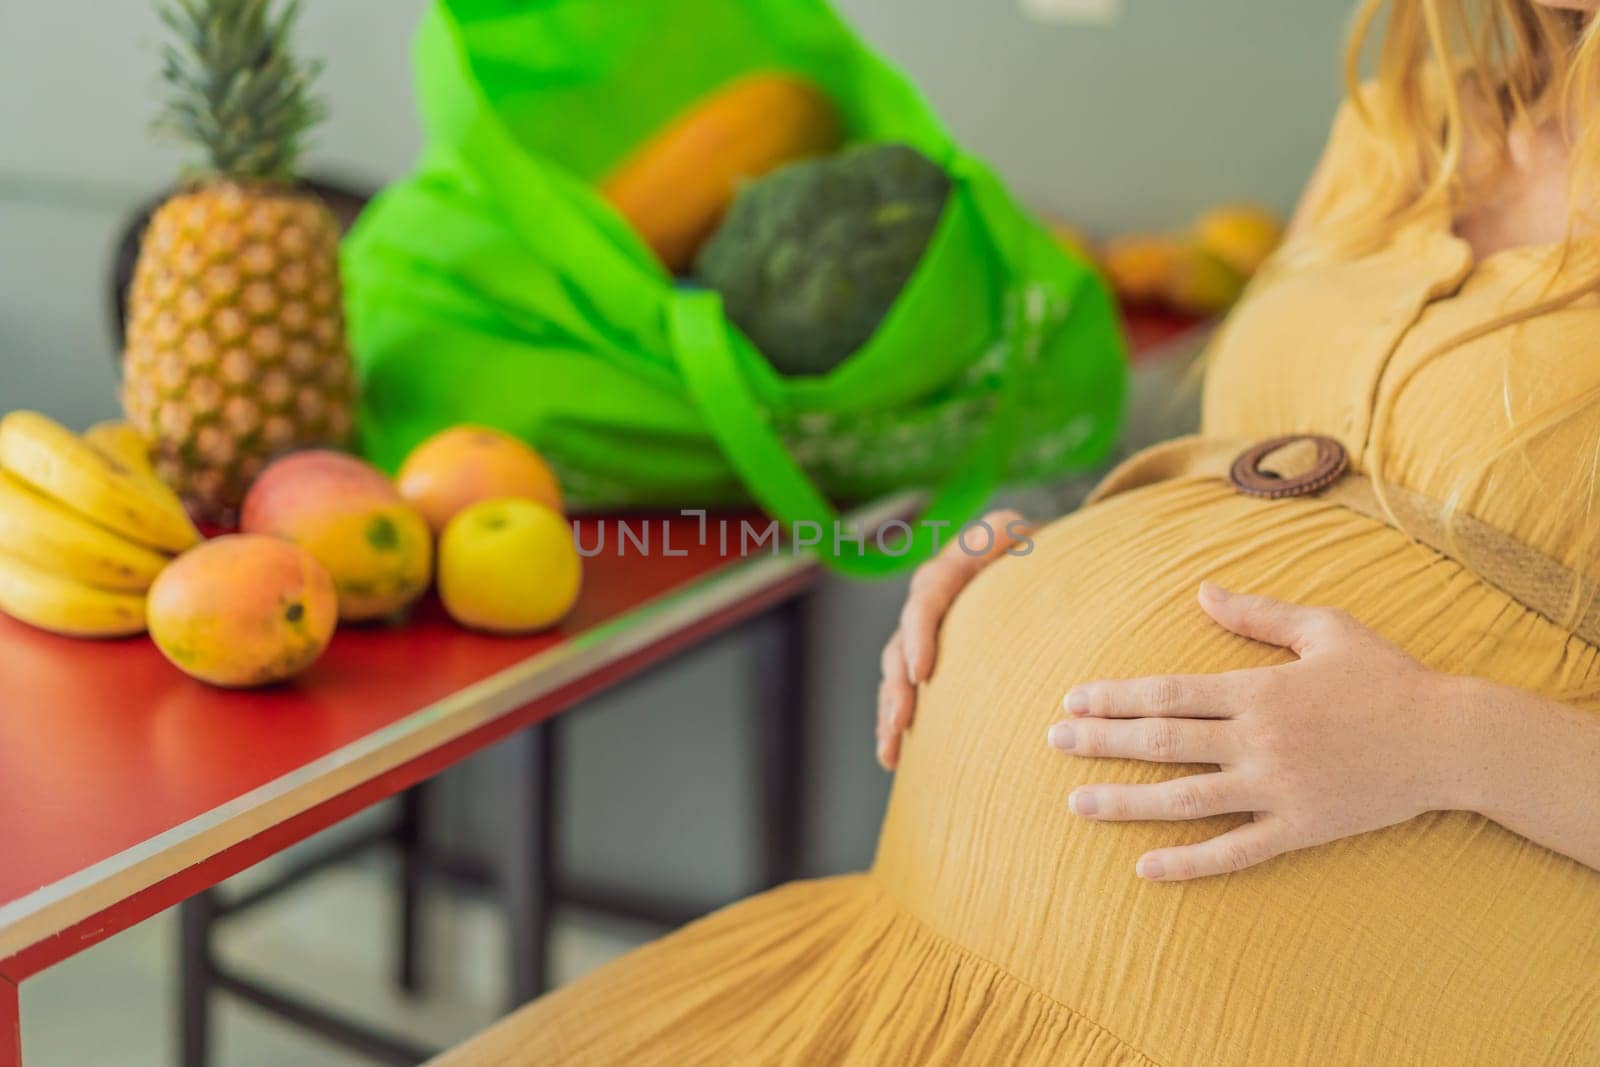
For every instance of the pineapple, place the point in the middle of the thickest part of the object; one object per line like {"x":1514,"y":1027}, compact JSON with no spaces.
{"x":236,"y":346}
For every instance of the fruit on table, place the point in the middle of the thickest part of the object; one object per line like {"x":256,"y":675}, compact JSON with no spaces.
{"x":236,"y":346}
{"x":55,"y":462}
{"x":509,"y":567}
{"x":51,"y":602}
{"x":82,"y":536}
{"x":243,"y":610}
{"x":811,"y":257}
{"x":50,"y":536}
{"x":121,"y":441}
{"x":465,"y":465}
{"x":1202,"y":271}
{"x":1201,"y":284}
{"x":1242,"y":236}
{"x":676,"y":186}
{"x":1162,"y":269}
{"x":348,"y":515}
{"x":1141,"y":266}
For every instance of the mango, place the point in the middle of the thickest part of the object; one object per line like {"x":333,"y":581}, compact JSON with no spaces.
{"x":1141,"y":266}
{"x":466,"y":465}
{"x":509,"y":567}
{"x":1202,"y":284}
{"x":1240,"y":235}
{"x":243,"y":610}
{"x":347,"y":514}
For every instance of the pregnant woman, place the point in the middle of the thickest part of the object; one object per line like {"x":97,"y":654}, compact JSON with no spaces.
{"x":1288,"y":760}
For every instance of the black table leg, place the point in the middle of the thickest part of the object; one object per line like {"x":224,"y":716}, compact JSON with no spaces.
{"x":410,"y":844}
{"x":526,"y":868}
{"x":780,"y":701}
{"x":196,"y":974}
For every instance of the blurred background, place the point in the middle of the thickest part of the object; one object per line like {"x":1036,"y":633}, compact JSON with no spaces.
{"x":1110,"y":116}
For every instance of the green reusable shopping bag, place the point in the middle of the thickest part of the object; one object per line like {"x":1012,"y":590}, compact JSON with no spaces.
{"x":495,"y":286}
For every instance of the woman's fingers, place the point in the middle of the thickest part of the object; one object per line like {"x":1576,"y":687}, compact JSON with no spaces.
{"x":908,"y":658}
{"x":889,"y":755}
{"x":1194,"y":797}
{"x":892,"y":660}
{"x":896,"y":702}
{"x":1241,"y":847}
{"x":885,"y":707}
{"x":936,"y":584}
{"x":1270,"y":621}
{"x":886,"y":702}
{"x":902,"y":695}
{"x":1193,"y":696}
{"x":1157,"y":740}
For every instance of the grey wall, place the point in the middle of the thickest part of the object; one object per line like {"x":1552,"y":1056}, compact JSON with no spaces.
{"x":1178,"y":105}
{"x":1138,"y":124}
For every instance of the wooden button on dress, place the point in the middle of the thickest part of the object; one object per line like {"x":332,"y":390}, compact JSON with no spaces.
{"x":1329,"y":463}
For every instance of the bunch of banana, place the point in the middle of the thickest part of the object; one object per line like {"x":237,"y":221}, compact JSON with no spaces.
{"x":85,"y":526}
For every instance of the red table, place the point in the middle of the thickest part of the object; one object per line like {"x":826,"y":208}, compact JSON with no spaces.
{"x":1152,"y":331}
{"x":126,"y":787}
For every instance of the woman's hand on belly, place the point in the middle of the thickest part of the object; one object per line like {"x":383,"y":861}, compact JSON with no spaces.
{"x":1346,"y":739}
{"x":908,"y":658}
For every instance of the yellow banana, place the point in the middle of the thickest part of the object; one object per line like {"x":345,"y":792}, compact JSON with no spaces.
{"x":118,"y":439}
{"x":56,"y":462}
{"x":54,"y":538}
{"x":63,"y":606}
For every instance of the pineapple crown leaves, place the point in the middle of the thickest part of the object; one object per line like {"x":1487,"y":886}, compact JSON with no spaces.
{"x":237,"y":92}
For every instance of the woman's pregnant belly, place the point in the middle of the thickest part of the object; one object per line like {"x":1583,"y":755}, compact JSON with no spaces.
{"x":1446,"y":939}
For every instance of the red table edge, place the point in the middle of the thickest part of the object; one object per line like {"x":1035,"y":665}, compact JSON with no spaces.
{"x":68,"y":916}
{"x":10,"y":1024}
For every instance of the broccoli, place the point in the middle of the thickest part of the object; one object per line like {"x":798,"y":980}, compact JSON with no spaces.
{"x":810,"y":257}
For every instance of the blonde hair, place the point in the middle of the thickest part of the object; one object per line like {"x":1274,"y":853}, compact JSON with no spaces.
{"x":1446,"y":73}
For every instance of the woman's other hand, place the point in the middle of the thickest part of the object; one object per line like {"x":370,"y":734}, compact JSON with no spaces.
{"x":1352,"y":736}
{"x":909,"y":656}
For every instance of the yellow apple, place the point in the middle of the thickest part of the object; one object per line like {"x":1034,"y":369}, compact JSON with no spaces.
{"x":508,"y":566}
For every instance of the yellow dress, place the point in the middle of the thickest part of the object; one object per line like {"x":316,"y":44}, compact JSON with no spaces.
{"x":995,"y":927}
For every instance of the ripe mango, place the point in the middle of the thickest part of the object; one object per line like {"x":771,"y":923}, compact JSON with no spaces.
{"x":348,"y":515}
{"x":1141,"y":266}
{"x":1202,"y":284}
{"x":1242,"y":236}
{"x":466,"y":465}
{"x":243,"y":611}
